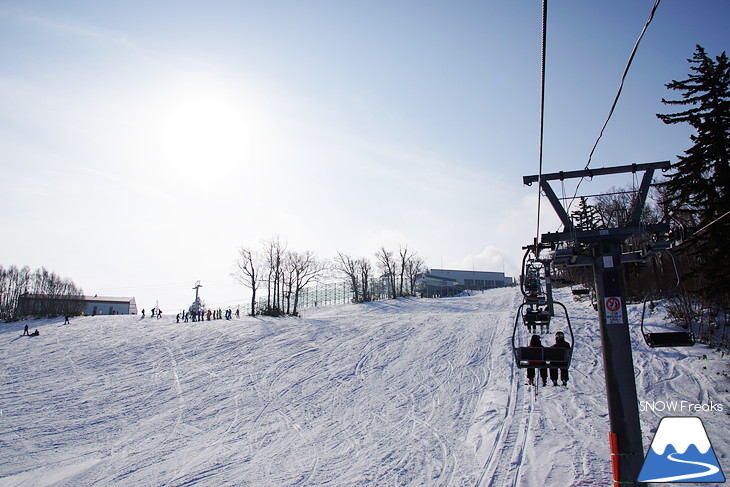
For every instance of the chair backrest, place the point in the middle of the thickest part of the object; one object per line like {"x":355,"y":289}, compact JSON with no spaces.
{"x":541,"y":357}
{"x":536,"y":318}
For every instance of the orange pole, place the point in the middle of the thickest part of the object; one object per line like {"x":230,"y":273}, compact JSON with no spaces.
{"x":613,"y":440}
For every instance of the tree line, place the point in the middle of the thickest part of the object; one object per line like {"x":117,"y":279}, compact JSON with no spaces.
{"x":697,"y":194}
{"x":283,"y":274}
{"x":19,"y":286}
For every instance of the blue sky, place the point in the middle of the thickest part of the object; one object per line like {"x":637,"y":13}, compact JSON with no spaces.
{"x":144,"y":142}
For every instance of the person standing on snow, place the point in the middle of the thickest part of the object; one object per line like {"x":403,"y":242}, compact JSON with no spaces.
{"x":559,"y":343}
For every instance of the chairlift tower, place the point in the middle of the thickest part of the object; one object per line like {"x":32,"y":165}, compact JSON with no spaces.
{"x":196,"y":304}
{"x":605,"y":257}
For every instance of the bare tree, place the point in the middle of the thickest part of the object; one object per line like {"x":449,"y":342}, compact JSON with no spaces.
{"x":387,"y":265}
{"x":365,"y":268}
{"x":406,"y":261}
{"x":37,"y":293}
{"x":614,"y":207}
{"x":305,"y":269}
{"x":348,"y":266}
{"x":274,"y":251}
{"x":248,"y":273}
{"x":416,"y":266}
{"x":287,"y":280}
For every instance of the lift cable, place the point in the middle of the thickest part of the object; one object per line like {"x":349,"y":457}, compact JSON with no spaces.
{"x":712,"y":223}
{"x":618,"y":94}
{"x":542,"y":115}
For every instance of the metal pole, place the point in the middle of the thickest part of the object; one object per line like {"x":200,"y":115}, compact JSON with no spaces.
{"x":196,"y":305}
{"x":623,"y":405}
{"x":548,"y":288}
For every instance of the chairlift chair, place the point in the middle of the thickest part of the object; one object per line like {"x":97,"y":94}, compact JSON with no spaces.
{"x":565,"y":257}
{"x":666,"y":338}
{"x":542,"y":357}
{"x":580,"y":291}
{"x":536,"y":316}
{"x":536,"y":299}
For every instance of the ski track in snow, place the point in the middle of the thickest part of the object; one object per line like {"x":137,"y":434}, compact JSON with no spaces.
{"x":409,"y":392}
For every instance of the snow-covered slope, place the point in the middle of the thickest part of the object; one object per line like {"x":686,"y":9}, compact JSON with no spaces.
{"x":403,"y":392}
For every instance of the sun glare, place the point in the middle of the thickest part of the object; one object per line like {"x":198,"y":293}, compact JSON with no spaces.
{"x":205,"y":133}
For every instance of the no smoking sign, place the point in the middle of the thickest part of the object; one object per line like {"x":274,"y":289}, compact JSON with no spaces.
{"x":612,"y":307}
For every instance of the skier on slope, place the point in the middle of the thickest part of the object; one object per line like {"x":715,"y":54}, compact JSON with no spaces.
{"x":535,"y":342}
{"x":559,"y":343}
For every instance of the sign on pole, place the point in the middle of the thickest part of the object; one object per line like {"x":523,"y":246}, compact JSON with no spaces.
{"x":612,"y":307}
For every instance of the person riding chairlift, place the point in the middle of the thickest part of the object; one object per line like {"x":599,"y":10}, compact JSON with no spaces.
{"x":535,"y":342}
{"x":559,"y":343}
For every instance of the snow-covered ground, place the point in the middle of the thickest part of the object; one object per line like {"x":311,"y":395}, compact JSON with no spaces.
{"x":393,"y":393}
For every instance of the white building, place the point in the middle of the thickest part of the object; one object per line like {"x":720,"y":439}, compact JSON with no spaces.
{"x":474,"y":279}
{"x":105,"y":305}
{"x":447,"y":282}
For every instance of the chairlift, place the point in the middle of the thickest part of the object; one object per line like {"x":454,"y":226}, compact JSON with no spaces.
{"x":535,"y":302}
{"x":656,"y":339}
{"x":565,"y":257}
{"x":580,"y":290}
{"x":534,"y":317}
{"x":666,"y":338}
{"x":541,"y":357}
{"x":530,"y":284}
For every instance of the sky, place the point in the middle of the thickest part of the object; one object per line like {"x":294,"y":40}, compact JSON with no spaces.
{"x":143,"y":143}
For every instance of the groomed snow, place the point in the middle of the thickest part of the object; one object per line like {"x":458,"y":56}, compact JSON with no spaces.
{"x":416,"y":392}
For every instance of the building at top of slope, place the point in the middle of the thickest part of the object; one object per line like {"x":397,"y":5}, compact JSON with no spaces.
{"x":448,"y":282}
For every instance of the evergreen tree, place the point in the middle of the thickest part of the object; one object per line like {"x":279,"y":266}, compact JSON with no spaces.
{"x":699,"y":189}
{"x":586,"y":217}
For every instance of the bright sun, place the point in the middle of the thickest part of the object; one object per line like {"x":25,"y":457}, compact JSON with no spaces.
{"x":205,"y":132}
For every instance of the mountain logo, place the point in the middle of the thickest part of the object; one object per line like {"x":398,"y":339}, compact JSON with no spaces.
{"x":681,"y":452}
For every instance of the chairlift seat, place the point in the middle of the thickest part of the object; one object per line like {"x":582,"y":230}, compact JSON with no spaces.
{"x":581,"y":292}
{"x":564,"y":257}
{"x":536,"y":299}
{"x":541,"y":317}
{"x":542,"y":357}
{"x":669,"y":339}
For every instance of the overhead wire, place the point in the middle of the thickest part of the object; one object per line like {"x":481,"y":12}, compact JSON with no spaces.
{"x":712,"y":223}
{"x":542,"y":118}
{"x":616,"y":98}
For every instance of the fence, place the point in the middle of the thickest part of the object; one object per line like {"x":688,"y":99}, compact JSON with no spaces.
{"x":325,"y":294}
